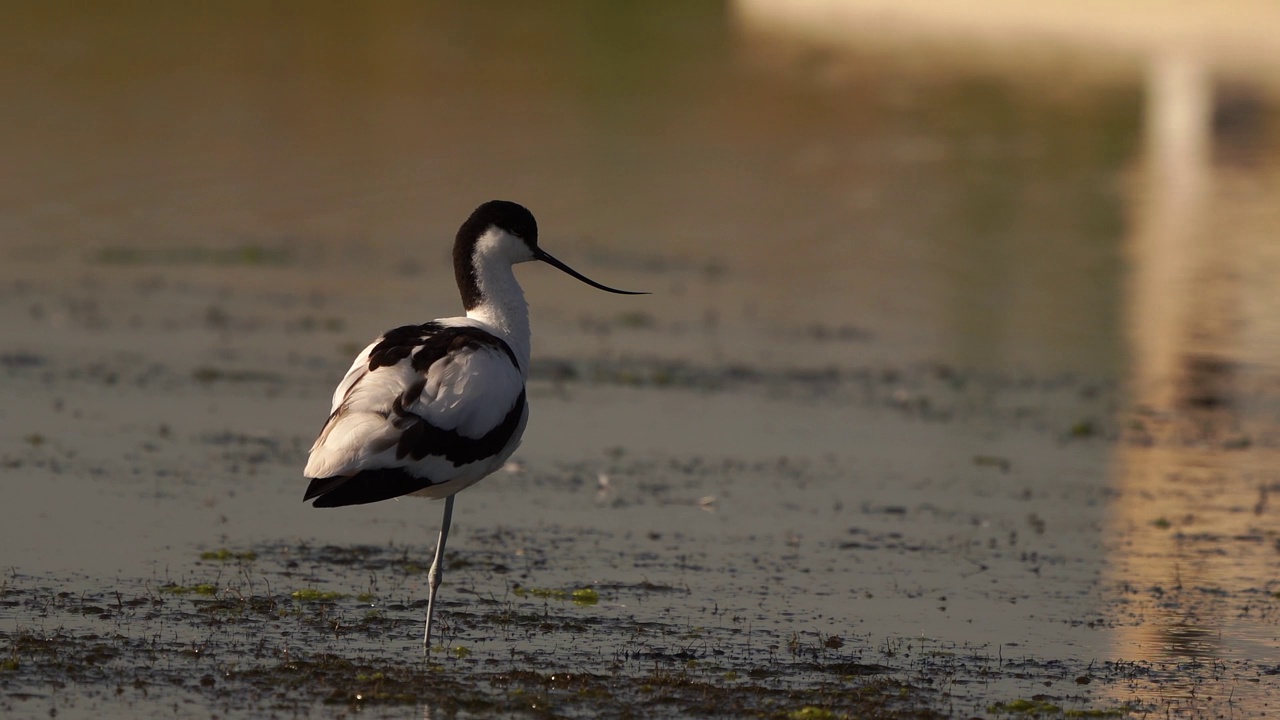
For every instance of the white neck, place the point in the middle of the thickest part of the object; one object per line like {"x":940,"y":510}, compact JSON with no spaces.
{"x":503,"y":308}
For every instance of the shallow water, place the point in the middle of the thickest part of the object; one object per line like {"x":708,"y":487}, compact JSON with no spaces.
{"x":965,"y":365}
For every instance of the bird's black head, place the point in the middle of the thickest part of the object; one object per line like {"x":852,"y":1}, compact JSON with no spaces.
{"x":512,"y":219}
{"x":504,"y":215}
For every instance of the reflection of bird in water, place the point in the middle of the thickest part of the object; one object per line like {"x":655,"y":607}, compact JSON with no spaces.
{"x":431,"y":409}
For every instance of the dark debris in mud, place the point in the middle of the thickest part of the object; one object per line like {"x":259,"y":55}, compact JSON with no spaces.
{"x":281,"y":630}
{"x":245,"y":652}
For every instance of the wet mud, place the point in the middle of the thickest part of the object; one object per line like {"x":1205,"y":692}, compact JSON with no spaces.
{"x":304,"y":630}
{"x":679,"y":537}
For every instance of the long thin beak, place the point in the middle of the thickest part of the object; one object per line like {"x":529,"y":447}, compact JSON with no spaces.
{"x":545,"y":257}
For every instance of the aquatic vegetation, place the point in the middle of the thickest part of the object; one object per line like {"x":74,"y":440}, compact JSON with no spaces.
{"x":200,"y":589}
{"x":580,"y":596}
{"x":810,"y":712}
{"x":1024,"y":707}
{"x":313,"y":595}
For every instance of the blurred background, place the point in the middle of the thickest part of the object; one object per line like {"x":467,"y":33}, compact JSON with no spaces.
{"x":1066,"y":187}
{"x":1059,"y":189}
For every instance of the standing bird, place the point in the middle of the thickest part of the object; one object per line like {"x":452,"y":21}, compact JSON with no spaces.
{"x":431,"y":409}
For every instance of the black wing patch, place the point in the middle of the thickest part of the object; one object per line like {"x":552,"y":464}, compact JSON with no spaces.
{"x":419,"y":438}
{"x":430,"y":342}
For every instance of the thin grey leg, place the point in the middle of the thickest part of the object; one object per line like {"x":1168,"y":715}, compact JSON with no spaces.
{"x":433,"y":575}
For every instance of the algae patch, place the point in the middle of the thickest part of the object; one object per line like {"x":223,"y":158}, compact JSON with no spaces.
{"x":313,"y":595}
{"x":206,"y":589}
{"x":580,"y":596}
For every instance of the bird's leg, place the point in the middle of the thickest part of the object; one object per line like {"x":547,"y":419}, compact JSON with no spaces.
{"x":433,"y":575}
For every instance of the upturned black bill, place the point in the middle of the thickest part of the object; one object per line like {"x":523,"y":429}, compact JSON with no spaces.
{"x":545,"y":257}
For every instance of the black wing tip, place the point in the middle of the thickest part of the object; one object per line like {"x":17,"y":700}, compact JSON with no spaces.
{"x":328,"y":501}
{"x":363,"y":488}
{"x":321,"y":486}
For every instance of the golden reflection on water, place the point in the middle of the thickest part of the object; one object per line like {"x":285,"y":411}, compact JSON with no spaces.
{"x":1195,"y":519}
{"x":1194,"y":531}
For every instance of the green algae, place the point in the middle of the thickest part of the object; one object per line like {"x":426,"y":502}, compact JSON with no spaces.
{"x":581,"y":596}
{"x":313,"y":595}
{"x":809,"y":712}
{"x":206,"y":589}
{"x":1024,"y":707}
